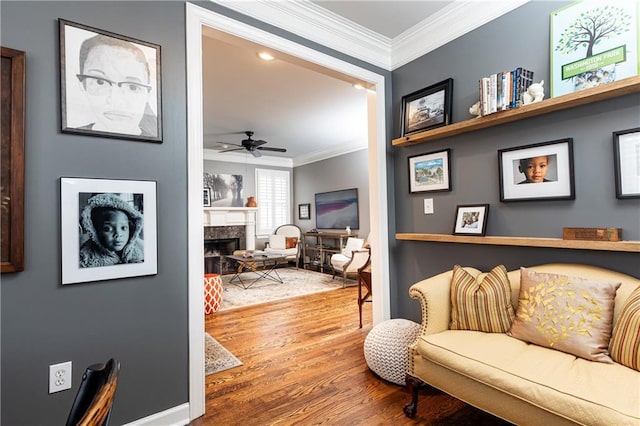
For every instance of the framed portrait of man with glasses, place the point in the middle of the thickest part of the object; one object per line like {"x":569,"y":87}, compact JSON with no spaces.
{"x":110,"y":84}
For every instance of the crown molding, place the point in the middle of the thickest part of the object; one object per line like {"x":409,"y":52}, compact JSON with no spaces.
{"x":313,"y":157}
{"x":320,"y":25}
{"x":246,"y":158}
{"x":445,"y":26}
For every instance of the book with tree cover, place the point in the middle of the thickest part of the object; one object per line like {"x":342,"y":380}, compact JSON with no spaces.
{"x":593,"y":42}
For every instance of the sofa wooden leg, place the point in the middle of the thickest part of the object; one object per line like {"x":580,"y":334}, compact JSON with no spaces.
{"x":413,"y":385}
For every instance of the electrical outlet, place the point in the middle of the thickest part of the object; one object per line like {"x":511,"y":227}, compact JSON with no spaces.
{"x":60,"y":377}
{"x":428,"y":206}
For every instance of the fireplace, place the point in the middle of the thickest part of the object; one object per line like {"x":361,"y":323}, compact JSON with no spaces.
{"x":227,"y":229}
{"x":214,"y":251}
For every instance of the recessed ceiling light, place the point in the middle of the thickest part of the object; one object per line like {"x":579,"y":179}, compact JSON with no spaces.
{"x":266,"y":56}
{"x":358,"y":86}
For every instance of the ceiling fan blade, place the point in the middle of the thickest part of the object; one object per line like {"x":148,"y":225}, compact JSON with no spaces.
{"x":255,"y":153}
{"x":232,"y":149}
{"x":258,"y":142}
{"x":228,"y":143}
{"x":265,"y":148}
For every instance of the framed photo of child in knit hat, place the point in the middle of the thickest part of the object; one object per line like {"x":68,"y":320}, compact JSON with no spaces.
{"x":109,"y":229}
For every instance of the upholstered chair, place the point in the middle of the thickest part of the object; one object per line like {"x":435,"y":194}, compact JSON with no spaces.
{"x":352,"y":257}
{"x":285,"y":241}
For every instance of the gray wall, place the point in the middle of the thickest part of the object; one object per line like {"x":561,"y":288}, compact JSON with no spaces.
{"x":343,"y":172}
{"x":487,"y":50}
{"x":141,"y":321}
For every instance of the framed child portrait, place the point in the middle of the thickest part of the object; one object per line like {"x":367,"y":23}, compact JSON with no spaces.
{"x":626,"y":153}
{"x":109,"y":229}
{"x":541,"y":171}
{"x":110,"y":84}
{"x":471,"y":219}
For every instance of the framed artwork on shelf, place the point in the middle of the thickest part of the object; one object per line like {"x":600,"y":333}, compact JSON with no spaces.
{"x":542,"y":171}
{"x":593,"y":43}
{"x":471,"y":219}
{"x":109,"y":229}
{"x":427,"y":108}
{"x":626,"y":154}
{"x":430,"y":172}
{"x":304,"y":211}
{"x":12,"y":111}
{"x":110,"y":84}
{"x":206,"y":197}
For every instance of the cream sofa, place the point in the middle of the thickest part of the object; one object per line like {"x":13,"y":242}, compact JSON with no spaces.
{"x":519,"y":382}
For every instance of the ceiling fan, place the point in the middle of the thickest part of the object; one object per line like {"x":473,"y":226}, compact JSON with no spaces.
{"x":252,"y":145}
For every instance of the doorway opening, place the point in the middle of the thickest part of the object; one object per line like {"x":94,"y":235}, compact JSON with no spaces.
{"x":197,"y":19}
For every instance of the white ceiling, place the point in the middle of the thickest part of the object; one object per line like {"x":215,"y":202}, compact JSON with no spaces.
{"x":387,"y":18}
{"x":313,"y":112}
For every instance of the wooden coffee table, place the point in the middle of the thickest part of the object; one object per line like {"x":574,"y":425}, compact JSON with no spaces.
{"x":262,"y":265}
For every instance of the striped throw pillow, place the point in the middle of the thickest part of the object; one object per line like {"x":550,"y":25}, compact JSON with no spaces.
{"x":481,"y":303}
{"x":624,"y":347}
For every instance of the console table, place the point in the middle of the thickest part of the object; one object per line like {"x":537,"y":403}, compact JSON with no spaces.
{"x":321,"y":245}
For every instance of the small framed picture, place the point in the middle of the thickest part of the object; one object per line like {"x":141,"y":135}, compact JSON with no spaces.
{"x":304,"y":211}
{"x":430,"y":172}
{"x":471,"y":219}
{"x":109,"y":229}
{"x":626,"y":153}
{"x":542,"y":171}
{"x":427,"y":108}
{"x":206,"y":197}
{"x":110,"y":84}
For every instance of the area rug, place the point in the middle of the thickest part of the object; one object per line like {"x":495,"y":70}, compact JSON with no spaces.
{"x":216,"y":357}
{"x":296,"y":282}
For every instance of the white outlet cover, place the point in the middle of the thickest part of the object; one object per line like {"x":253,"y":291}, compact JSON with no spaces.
{"x":60,"y":377}
{"x":428,"y":206}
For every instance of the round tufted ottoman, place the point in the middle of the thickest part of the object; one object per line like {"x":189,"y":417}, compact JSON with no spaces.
{"x":385,"y":348}
{"x":212,"y":293}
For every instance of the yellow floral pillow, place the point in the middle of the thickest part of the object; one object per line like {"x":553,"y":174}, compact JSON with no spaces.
{"x":570,"y":314}
{"x":625,"y":340}
{"x":481,"y":303}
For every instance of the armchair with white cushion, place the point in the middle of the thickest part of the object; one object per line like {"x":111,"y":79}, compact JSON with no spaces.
{"x":285,"y":241}
{"x":352,"y":257}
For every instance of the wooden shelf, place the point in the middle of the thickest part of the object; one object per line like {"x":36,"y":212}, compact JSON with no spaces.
{"x":624,"y":246}
{"x":607,"y":91}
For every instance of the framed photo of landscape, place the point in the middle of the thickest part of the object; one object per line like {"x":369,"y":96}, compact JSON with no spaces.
{"x":110,"y":84}
{"x":109,"y":229}
{"x":593,"y":42}
{"x":541,"y":171}
{"x":430,"y":172}
{"x":427,"y":108}
{"x":626,"y":153}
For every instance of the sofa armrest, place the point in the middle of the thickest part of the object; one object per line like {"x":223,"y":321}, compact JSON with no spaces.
{"x":435,"y":300}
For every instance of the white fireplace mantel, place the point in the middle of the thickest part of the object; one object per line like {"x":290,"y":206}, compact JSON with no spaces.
{"x":234,"y":216}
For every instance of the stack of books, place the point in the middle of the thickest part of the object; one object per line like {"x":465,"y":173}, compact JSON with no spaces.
{"x":503,"y":90}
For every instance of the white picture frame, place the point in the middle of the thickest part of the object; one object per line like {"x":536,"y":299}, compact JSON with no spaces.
{"x":84,"y":257}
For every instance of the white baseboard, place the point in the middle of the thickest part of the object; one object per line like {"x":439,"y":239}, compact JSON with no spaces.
{"x":176,"y":416}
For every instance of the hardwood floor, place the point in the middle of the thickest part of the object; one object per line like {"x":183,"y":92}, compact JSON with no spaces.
{"x":304,"y":364}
